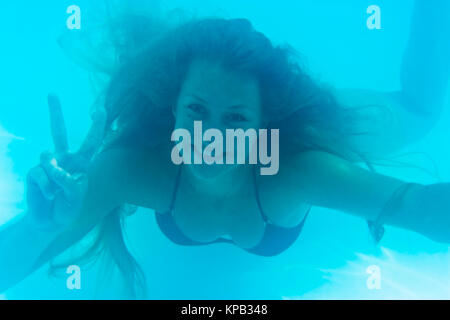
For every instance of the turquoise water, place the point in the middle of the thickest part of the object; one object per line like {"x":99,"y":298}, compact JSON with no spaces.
{"x":330,"y":258}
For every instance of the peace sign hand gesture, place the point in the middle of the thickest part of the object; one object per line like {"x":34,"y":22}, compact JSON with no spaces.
{"x":56,"y":187}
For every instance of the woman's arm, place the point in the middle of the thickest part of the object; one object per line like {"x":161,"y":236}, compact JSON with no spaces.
{"x":329,"y":181}
{"x":20,"y":245}
{"x":408,"y":114}
{"x":24,"y":248}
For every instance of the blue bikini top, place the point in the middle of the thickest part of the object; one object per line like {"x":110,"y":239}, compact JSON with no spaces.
{"x":276,"y":239}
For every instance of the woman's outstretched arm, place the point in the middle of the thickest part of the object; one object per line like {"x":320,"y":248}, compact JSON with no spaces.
{"x":20,"y":245}
{"x":57,"y":189}
{"x":329,"y":181}
{"x":410,"y":113}
{"x":24,"y":246}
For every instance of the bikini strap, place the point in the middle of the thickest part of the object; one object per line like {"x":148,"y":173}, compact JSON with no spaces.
{"x":393,"y":204}
{"x":175,"y":189}
{"x":257,"y":195}
{"x":177,"y":182}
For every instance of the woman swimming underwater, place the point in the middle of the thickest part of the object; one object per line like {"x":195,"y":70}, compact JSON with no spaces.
{"x":227,"y":75}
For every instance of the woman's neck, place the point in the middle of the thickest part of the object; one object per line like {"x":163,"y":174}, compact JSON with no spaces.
{"x":231,"y":183}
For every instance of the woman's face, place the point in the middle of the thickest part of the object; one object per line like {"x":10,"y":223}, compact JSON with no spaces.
{"x":220,"y":99}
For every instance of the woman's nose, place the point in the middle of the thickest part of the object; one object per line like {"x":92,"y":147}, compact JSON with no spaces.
{"x":214,"y":124}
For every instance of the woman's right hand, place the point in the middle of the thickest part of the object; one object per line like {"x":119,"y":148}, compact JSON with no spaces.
{"x":56,"y":186}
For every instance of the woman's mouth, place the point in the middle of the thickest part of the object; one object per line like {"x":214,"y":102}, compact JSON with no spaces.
{"x":207,"y":157}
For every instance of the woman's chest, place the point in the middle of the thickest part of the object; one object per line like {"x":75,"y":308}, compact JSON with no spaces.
{"x":241,"y":217}
{"x":204,"y":219}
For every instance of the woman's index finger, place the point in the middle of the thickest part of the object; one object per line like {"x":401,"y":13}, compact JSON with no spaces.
{"x":57,"y":124}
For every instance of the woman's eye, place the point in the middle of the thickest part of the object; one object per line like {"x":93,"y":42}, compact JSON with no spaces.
{"x":197,"y":108}
{"x":236,"y":117}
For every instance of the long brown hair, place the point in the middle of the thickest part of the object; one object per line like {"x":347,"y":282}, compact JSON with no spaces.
{"x":141,"y":93}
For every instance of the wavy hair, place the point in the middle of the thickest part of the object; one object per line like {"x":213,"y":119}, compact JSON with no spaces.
{"x":142,"y":91}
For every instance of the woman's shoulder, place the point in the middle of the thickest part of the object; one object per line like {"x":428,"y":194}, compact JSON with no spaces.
{"x":282,"y":201}
{"x":144,"y":175}
{"x":287,"y":195}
